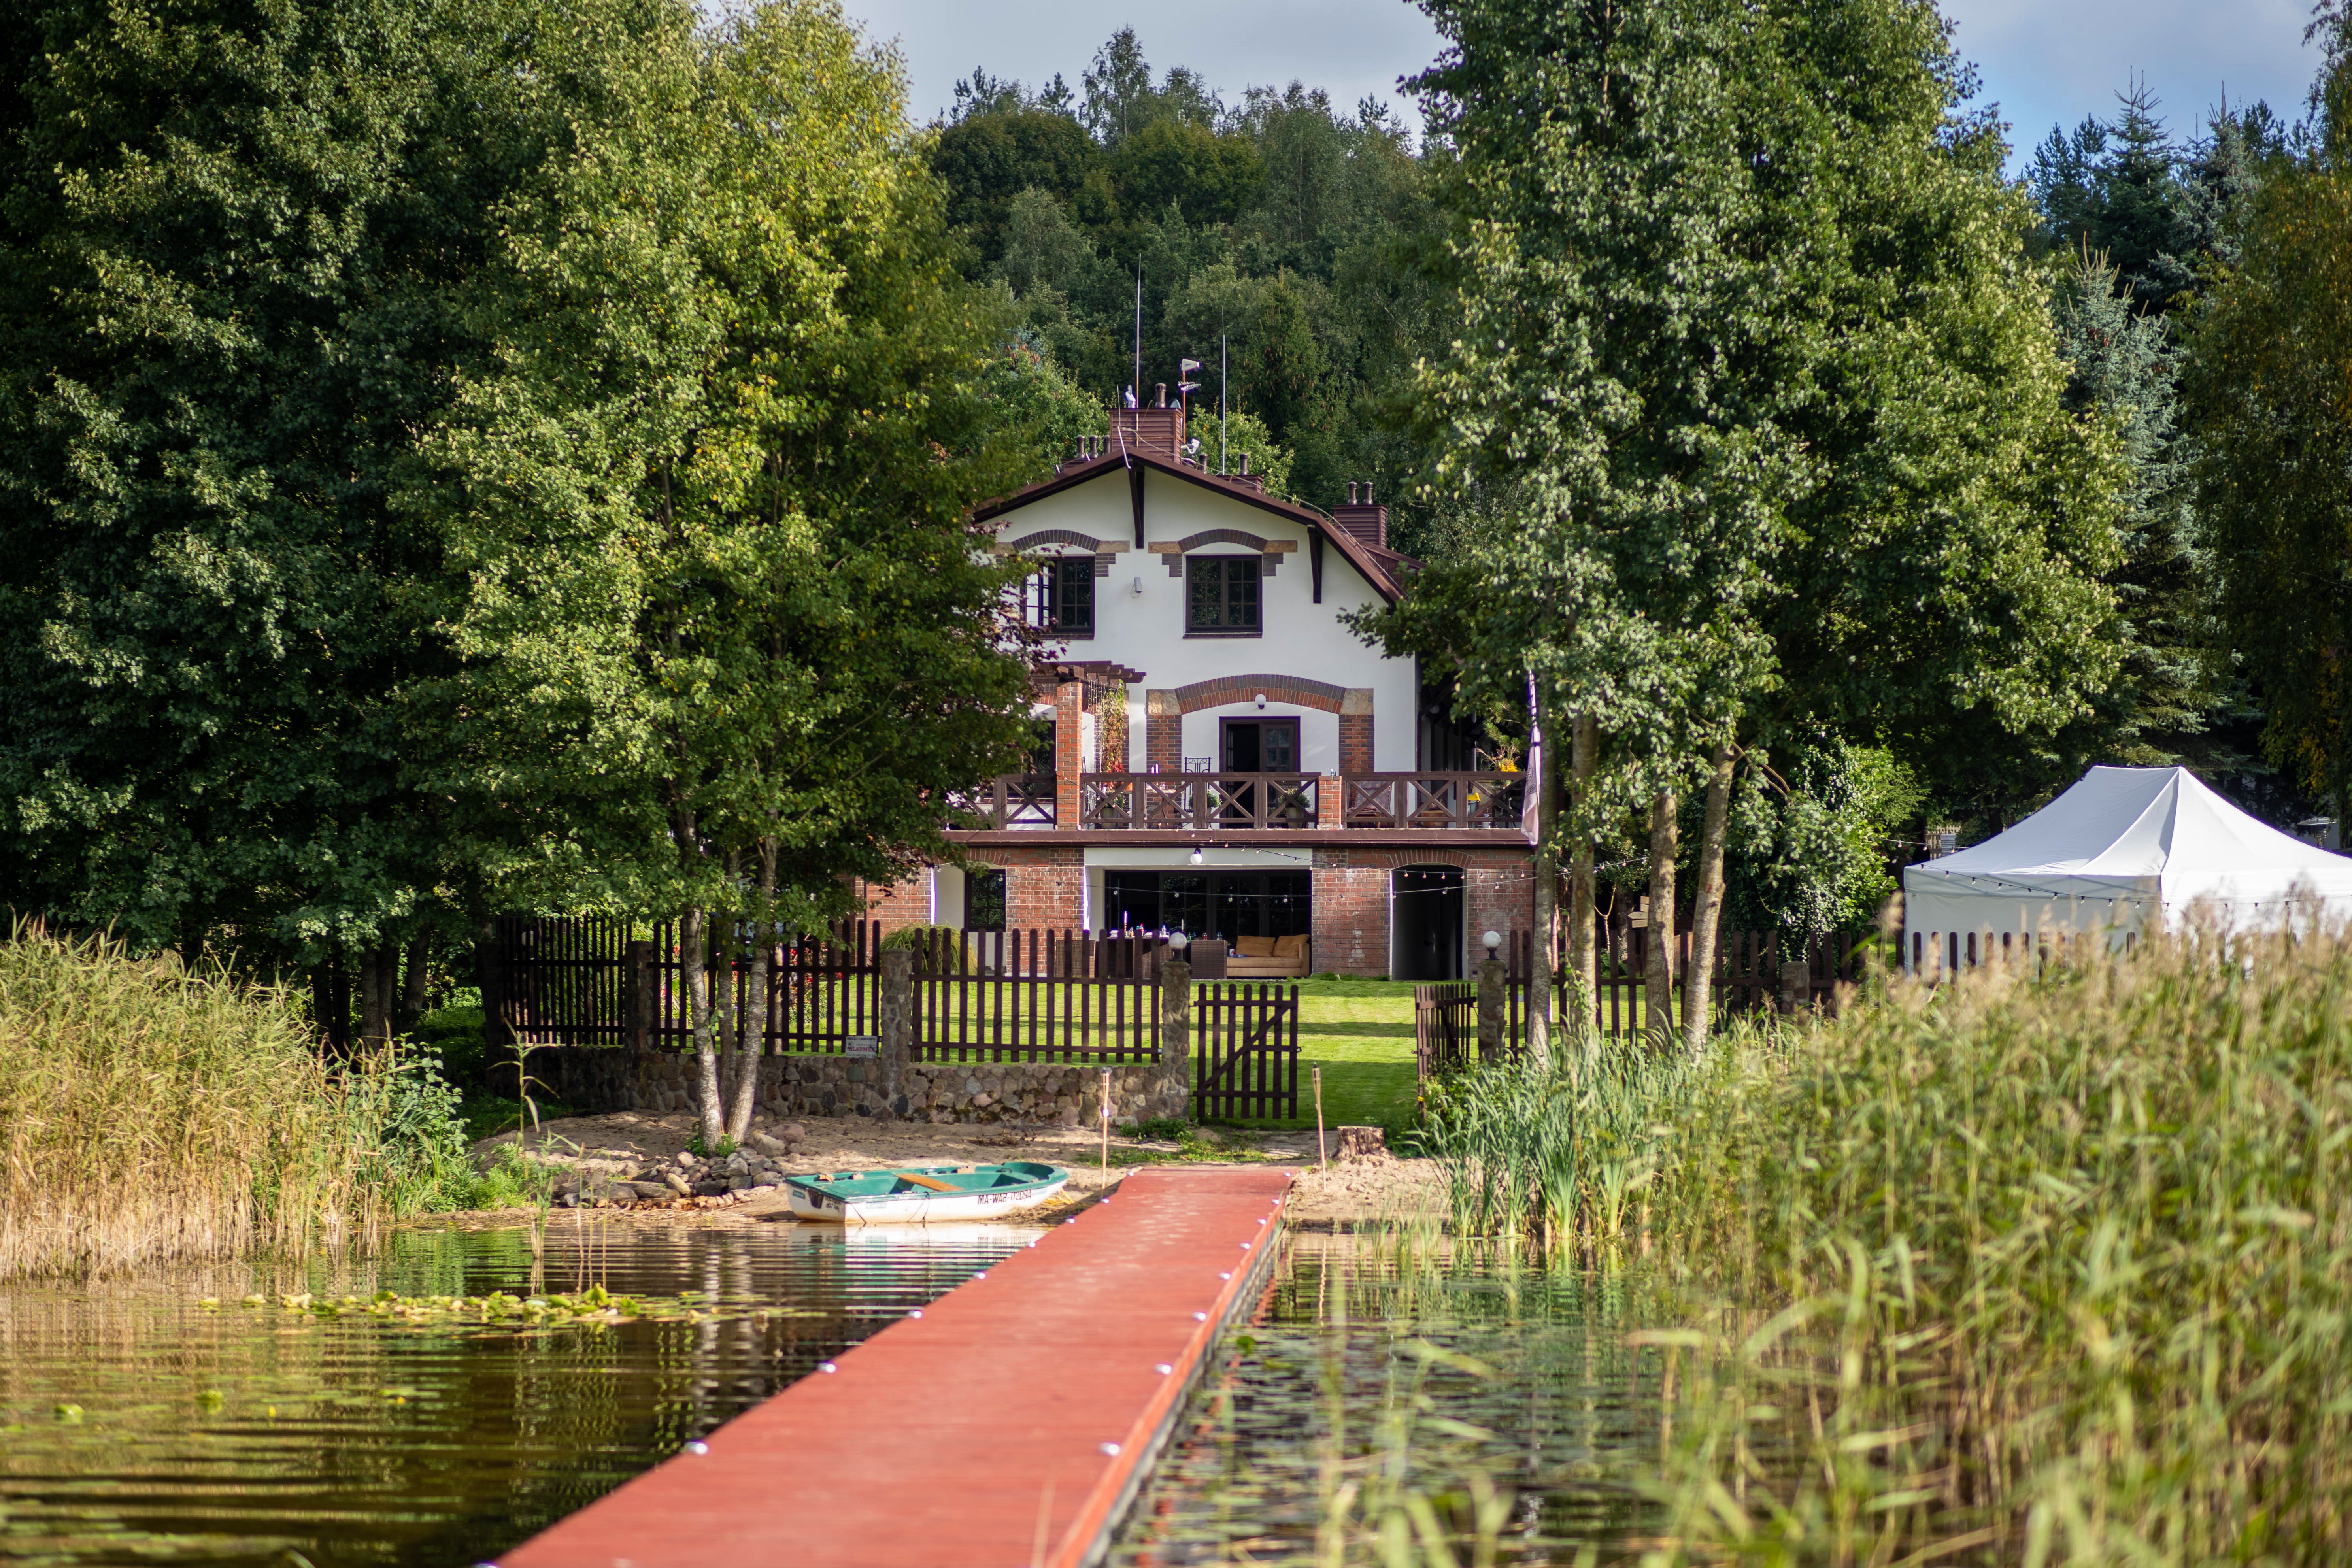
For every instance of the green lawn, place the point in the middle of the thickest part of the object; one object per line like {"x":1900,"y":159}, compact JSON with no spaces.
{"x":1359,"y":1032}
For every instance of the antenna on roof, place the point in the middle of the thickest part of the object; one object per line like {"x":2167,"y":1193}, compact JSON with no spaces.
{"x":1138,"y":382}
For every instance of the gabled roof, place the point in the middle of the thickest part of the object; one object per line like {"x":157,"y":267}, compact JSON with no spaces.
{"x":1383,"y":569}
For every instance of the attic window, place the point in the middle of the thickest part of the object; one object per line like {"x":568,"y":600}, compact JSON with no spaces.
{"x":1221,"y":600}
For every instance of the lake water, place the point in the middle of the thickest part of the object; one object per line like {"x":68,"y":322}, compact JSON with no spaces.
{"x":137,"y":1425}
{"x":1370,"y":1371}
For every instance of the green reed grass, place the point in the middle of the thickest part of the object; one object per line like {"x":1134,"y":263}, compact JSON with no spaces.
{"x":148,"y":1113}
{"x":2028,"y":1269}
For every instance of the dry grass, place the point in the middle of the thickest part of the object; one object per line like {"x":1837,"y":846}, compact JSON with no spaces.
{"x":148,"y":1114}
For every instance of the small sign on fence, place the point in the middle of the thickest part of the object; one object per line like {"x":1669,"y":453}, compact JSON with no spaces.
{"x":861,"y":1045}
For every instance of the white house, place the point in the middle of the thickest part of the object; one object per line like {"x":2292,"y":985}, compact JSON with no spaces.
{"x":1227,"y":757}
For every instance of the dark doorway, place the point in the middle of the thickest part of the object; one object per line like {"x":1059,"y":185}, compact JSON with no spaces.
{"x":1259,"y":745}
{"x":1230,"y":904}
{"x":1426,"y":923}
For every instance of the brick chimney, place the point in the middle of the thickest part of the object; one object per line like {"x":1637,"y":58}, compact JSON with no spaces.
{"x":1359,"y":517}
{"x":1159,"y":431}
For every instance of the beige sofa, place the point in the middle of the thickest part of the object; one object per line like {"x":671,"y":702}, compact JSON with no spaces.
{"x":1268,"y":958}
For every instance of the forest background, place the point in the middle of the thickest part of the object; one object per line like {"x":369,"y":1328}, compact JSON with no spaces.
{"x":500,"y":455}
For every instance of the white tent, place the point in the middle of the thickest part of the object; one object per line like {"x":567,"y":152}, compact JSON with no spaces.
{"x":2121,"y":849}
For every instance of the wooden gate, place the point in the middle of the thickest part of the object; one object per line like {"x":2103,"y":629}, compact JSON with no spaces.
{"x":1245,"y":1052}
{"x":1445,"y":1026}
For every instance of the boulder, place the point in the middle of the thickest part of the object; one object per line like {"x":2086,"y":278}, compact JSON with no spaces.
{"x":677,"y":1184}
{"x":767,"y":1145}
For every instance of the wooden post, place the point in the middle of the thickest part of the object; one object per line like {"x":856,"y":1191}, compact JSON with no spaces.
{"x":1106,"y":1121}
{"x":638,"y":994}
{"x":1322,"y":1152}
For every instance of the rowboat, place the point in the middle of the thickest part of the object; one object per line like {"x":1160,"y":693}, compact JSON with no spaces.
{"x":918,"y":1193}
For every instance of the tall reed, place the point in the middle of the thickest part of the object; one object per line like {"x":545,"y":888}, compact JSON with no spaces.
{"x":2027,"y":1268}
{"x":147,"y":1113}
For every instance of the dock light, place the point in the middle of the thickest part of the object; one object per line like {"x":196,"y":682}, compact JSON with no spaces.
{"x":1493,"y":939}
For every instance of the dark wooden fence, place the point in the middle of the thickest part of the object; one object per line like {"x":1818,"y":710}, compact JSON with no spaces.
{"x":1444,"y":1025}
{"x":592,"y":981}
{"x":996,"y":997}
{"x":1245,"y":1051}
{"x":1036,"y":996}
{"x":1747,"y":978}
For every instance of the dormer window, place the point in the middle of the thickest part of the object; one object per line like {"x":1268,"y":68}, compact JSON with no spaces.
{"x":1062,"y":596}
{"x":1221,"y":599}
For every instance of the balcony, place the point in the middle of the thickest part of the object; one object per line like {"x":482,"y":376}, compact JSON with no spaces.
{"x":1227,"y":802}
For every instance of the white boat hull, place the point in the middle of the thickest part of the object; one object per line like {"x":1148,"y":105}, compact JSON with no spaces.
{"x":919,"y":1208}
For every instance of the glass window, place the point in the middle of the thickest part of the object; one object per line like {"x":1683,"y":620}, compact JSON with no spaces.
{"x":1223,"y":597}
{"x":1062,"y":596}
{"x":983,"y":899}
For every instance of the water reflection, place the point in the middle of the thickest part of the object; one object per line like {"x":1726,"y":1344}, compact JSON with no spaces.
{"x":1378,"y":1369}
{"x":136,"y":1425}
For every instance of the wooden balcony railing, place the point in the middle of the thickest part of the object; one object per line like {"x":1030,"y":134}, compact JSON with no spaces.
{"x":1011,"y":800}
{"x":1432,"y":800}
{"x":1113,"y":803}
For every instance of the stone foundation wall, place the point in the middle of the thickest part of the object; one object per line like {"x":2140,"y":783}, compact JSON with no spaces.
{"x":604,"y":1079}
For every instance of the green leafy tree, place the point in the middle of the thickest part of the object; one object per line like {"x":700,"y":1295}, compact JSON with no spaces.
{"x":2266,"y":396}
{"x":710,"y":489}
{"x":226,"y":236}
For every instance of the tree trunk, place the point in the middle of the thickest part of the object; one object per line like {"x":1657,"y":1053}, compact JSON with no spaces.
{"x":411,"y":991}
{"x":1539,"y":976}
{"x":1583,"y":972}
{"x":376,"y":967}
{"x":1706,"y":909}
{"x":752,"y":1035}
{"x":1658,"y":985}
{"x":694,"y":940}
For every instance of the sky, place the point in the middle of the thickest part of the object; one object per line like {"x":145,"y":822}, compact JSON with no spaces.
{"x":2044,"y":62}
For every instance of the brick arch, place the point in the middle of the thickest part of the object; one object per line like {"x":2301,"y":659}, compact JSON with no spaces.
{"x":1164,"y":711}
{"x":1221,"y":536}
{"x":1050,"y":536}
{"x":1295,"y":690}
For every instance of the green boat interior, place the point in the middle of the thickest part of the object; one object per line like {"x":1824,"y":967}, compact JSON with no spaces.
{"x":912,"y":1181}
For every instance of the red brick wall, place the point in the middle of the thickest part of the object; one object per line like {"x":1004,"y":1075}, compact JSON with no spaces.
{"x":1044,"y":888}
{"x":1351,"y":901}
{"x":1164,"y":733}
{"x":1351,"y":919}
{"x":907,"y":903}
{"x":1355,"y":743}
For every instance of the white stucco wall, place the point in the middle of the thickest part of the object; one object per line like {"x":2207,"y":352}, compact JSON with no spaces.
{"x":1145,"y":629}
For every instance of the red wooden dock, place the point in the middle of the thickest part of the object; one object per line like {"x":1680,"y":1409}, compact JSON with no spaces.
{"x":1007,"y":1428}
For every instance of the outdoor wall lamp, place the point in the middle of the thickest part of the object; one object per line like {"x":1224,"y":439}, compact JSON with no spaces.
{"x":1138,"y":589}
{"x":1261,"y":702}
